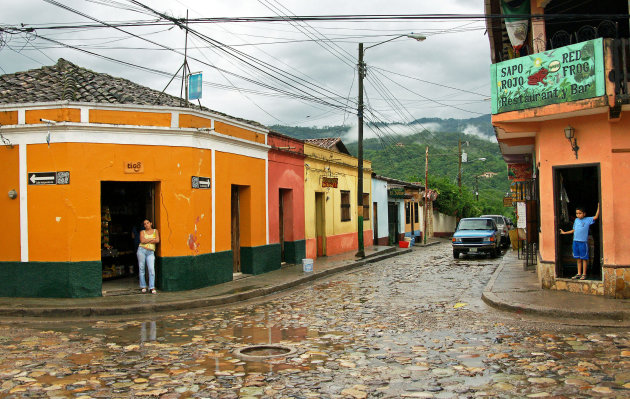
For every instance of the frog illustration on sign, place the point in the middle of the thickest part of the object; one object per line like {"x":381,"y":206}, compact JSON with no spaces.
{"x":538,"y":77}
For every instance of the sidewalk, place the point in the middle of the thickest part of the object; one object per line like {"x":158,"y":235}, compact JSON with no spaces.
{"x":510,"y":288}
{"x":514,"y":289}
{"x":220,"y":294}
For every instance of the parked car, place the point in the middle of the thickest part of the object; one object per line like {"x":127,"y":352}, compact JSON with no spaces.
{"x":503,"y":226}
{"x":474,"y":235}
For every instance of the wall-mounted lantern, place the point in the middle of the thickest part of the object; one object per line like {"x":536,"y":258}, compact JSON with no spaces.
{"x":569,"y":133}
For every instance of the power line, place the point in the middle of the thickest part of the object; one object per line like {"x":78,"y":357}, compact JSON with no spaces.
{"x":249,"y":60}
{"x":301,"y":93}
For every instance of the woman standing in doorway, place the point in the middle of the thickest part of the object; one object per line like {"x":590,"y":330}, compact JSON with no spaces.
{"x":149,"y":237}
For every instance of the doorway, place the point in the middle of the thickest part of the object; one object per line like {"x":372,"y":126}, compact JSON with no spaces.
{"x":285,"y":222}
{"x":392,"y":222}
{"x":375,"y":222}
{"x":320,"y":224}
{"x":236,"y":232}
{"x":577,"y":186}
{"x":124,"y":206}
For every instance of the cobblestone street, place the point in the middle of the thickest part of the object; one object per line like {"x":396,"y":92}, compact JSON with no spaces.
{"x":410,"y":326}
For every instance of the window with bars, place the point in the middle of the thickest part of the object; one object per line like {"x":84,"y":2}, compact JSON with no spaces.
{"x":366,"y":206}
{"x":407,"y":212}
{"x":345,"y":205}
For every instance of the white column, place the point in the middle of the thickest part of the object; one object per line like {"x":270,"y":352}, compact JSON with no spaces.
{"x":214,"y":202}
{"x":23,"y":175}
{"x":267,"y":195}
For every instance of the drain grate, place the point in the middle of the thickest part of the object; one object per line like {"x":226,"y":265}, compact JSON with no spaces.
{"x":262,"y":352}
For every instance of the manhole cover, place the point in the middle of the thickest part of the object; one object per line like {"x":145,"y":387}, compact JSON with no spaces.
{"x":262,"y":352}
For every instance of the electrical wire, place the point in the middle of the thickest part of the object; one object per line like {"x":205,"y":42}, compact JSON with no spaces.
{"x":258,"y":65}
{"x":301,"y":93}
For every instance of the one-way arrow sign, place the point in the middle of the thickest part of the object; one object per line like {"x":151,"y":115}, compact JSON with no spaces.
{"x":201,"y":182}
{"x":39,"y":178}
{"x":204,"y":182}
{"x":47,"y":178}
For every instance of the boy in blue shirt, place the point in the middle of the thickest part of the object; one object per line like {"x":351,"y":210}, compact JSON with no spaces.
{"x":580,"y":237}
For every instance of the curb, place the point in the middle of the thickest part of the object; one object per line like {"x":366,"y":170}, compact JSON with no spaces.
{"x":494,"y":301}
{"x":139,"y":309}
{"x":497,"y":302}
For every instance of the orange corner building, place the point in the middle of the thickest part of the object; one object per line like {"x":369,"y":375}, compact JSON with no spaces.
{"x":86,"y":157}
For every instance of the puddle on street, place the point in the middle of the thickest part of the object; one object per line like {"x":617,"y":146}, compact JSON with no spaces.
{"x":214,"y":336}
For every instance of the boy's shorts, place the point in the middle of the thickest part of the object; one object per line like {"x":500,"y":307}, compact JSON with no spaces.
{"x":580,"y":250}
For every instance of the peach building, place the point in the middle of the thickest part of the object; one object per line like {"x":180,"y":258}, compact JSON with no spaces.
{"x":560,"y":109}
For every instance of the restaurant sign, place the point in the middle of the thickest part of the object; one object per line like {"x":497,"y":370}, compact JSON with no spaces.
{"x":561,"y":75}
{"x":329,"y":182}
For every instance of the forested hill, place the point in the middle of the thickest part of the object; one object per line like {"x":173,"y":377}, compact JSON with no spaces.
{"x":403,"y":156}
{"x":480,"y":124}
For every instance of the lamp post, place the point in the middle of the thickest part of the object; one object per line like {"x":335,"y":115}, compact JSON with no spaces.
{"x":426,"y":189}
{"x":361,"y":70}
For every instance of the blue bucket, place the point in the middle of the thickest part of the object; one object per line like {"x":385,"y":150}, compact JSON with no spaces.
{"x":307,"y":265}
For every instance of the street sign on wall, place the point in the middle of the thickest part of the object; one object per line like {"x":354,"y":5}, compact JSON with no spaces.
{"x":565,"y":74}
{"x":48,"y":178}
{"x":201,"y":182}
{"x":396,"y":192}
{"x":521,"y":215}
{"x":329,"y":182}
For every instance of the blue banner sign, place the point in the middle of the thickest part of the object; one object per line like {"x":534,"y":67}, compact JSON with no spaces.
{"x":195,"y":82}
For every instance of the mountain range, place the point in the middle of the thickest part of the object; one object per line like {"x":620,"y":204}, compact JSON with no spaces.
{"x":398,"y":151}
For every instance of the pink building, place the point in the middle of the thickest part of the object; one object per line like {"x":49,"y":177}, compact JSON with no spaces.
{"x":286,"y":197}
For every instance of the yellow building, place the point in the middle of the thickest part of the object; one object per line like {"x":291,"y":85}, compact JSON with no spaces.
{"x":87,"y":157}
{"x":330,"y":198}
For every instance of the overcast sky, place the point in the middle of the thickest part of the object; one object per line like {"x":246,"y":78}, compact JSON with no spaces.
{"x":320,"y":55}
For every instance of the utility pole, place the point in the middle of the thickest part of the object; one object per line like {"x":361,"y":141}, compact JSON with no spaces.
{"x":459,"y":168}
{"x":185,"y":66}
{"x":426,"y":189}
{"x":361,"y":70}
{"x":361,"y":252}
{"x":477,"y":187}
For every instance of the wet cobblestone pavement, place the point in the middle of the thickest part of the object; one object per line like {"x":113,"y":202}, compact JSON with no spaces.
{"x":411,"y":326}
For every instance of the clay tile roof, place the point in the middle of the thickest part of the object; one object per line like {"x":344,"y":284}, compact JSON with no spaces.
{"x":329,"y":143}
{"x":66,"y":81}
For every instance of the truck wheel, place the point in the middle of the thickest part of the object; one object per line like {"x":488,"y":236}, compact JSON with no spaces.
{"x":455,"y":254}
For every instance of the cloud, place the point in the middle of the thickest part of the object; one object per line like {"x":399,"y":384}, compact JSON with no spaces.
{"x":455,"y":54}
{"x":473,"y":130}
{"x":389,"y":133}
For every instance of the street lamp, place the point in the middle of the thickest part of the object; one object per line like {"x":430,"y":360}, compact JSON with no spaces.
{"x":361,"y":65}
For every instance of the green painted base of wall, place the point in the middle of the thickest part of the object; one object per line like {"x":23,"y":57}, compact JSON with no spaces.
{"x":294,"y":251}
{"x":84,"y":279}
{"x":262,"y":259}
{"x":51,"y":279}
{"x":191,"y":272}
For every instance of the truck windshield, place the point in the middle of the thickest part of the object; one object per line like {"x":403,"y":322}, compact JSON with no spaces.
{"x":475,"y":224}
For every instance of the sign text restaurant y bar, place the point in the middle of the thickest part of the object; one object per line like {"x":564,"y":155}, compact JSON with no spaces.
{"x":565,"y":74}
